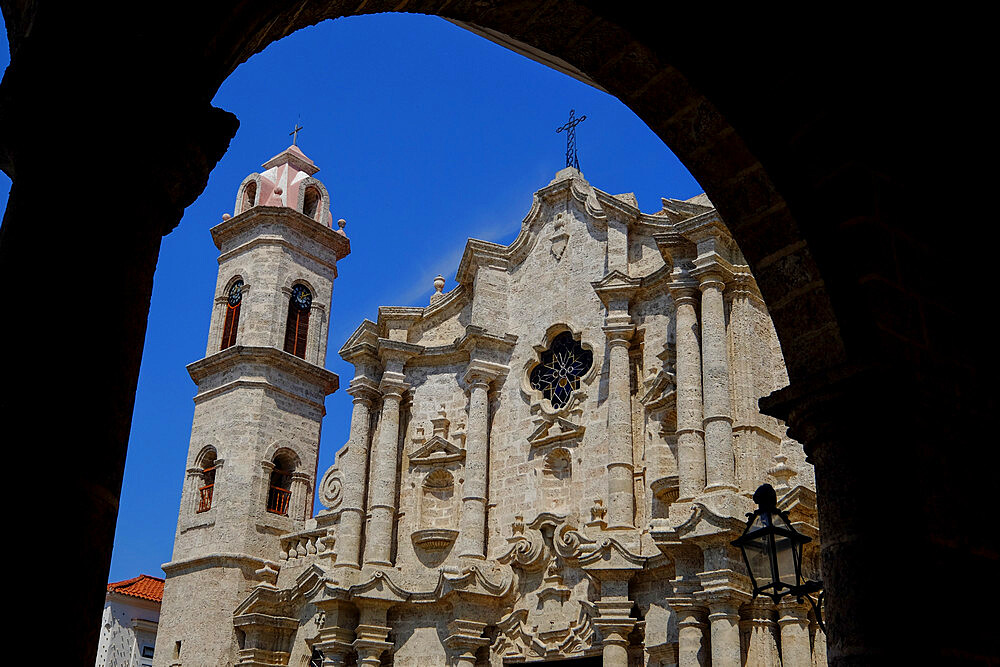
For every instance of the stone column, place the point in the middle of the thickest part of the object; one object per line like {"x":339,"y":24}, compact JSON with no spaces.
{"x":690,"y":422}
{"x":371,"y":644}
{"x":793,"y":619}
{"x":465,"y":639}
{"x":615,"y":625}
{"x":720,"y":466}
{"x":472,"y":525}
{"x":818,"y":643}
{"x":372,"y":633}
{"x":691,"y":649}
{"x":621,"y":512}
{"x":355,"y":474}
{"x":762,"y":650}
{"x":724,"y":620}
{"x":384,"y":475}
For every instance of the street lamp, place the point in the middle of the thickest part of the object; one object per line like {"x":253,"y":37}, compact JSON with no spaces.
{"x":772,"y":551}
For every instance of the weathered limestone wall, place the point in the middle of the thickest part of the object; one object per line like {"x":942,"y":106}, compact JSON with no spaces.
{"x":198,"y":604}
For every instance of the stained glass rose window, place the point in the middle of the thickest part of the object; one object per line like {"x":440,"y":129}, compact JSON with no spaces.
{"x":560,"y":370}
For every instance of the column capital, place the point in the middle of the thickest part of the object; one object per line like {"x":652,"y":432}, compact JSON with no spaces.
{"x":479,"y":371}
{"x":363,"y":388}
{"x":712,"y":271}
{"x":393,"y":384}
{"x":466,"y":637}
{"x":684,"y":292}
{"x":743,"y":284}
{"x":619,"y":334}
{"x":791,"y":610}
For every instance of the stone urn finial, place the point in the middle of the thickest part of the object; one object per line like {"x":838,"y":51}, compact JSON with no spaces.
{"x":782,"y":472}
{"x":438,"y":287}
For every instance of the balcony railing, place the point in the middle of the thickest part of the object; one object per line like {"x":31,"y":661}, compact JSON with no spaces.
{"x":205,"y":498}
{"x":277,"y":500}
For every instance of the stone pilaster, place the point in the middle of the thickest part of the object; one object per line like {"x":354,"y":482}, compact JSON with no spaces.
{"x":355,"y":473}
{"x":472,"y":524}
{"x":720,"y":464}
{"x":690,"y":420}
{"x":300,"y":506}
{"x":621,"y":510}
{"x":465,"y":638}
{"x":793,"y":619}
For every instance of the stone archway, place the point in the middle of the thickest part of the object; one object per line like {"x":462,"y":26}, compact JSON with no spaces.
{"x":801,"y":143}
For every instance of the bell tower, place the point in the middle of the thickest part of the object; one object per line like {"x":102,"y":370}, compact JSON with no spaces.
{"x":251,"y":464}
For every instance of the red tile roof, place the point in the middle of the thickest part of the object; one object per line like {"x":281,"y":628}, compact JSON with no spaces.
{"x":143,"y":586}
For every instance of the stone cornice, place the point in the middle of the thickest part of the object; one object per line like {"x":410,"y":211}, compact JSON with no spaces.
{"x":221,"y":361}
{"x":296,"y":221}
{"x":214,"y":560}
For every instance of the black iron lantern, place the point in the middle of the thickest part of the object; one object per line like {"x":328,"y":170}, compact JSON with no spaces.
{"x":772,"y":551}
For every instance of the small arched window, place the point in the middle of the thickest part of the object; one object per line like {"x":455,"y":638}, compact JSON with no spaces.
{"x":279,"y":491}
{"x":207,"y":489}
{"x":249,"y":196}
{"x":297,"y":324}
{"x":310,"y":202}
{"x":233,"y":301}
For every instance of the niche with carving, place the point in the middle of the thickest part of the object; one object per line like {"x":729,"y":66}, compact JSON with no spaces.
{"x":438,"y":511}
{"x":437,"y":502}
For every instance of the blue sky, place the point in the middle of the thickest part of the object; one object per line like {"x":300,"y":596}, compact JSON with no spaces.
{"x":425,"y":135}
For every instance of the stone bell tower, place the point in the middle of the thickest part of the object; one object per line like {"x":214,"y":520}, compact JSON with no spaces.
{"x":251,"y":465}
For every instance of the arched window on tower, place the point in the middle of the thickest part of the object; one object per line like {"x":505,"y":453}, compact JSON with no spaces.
{"x":310,"y":201}
{"x":233,"y":301}
{"x":297,"y":324}
{"x":207,"y":489}
{"x":249,"y":196}
{"x":279,"y":491}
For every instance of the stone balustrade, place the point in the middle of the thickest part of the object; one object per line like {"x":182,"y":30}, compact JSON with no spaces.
{"x":306,"y":543}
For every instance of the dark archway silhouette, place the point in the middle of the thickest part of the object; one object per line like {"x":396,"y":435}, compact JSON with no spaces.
{"x":804,"y":139}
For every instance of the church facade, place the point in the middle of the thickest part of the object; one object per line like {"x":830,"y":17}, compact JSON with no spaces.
{"x":546,"y":464}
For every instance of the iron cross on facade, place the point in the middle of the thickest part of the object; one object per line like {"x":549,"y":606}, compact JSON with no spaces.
{"x":294,"y":134}
{"x":570,"y":127}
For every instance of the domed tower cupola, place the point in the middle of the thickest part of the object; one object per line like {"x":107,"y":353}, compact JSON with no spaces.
{"x":287,"y":182}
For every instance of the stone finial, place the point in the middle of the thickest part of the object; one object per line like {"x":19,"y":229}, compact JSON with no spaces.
{"x":340,"y":227}
{"x":438,"y":287}
{"x":267,"y":575}
{"x":782,"y":472}
{"x":226,"y":216}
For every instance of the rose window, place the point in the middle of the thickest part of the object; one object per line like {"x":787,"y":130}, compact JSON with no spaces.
{"x":561,"y":367}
